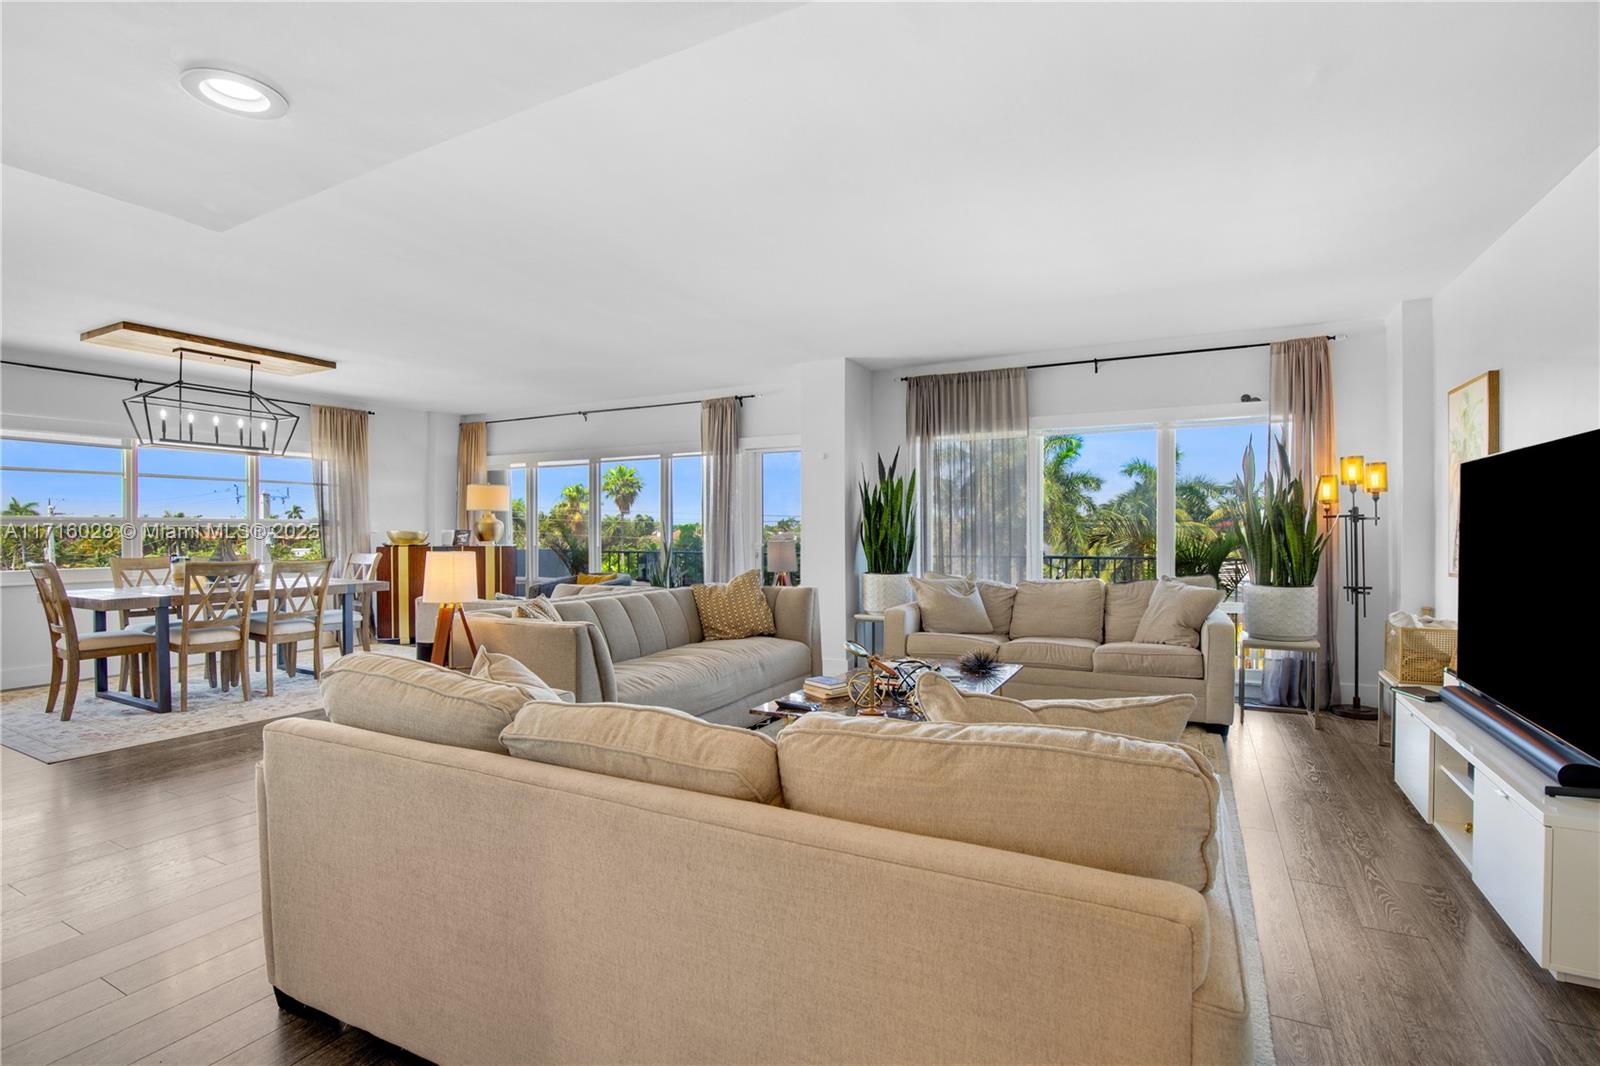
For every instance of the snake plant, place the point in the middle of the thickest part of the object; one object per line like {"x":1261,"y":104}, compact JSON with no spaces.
{"x":888,"y":519}
{"x":1280,"y":539}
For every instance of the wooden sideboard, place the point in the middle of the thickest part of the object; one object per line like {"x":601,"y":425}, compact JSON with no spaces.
{"x":402,"y":566}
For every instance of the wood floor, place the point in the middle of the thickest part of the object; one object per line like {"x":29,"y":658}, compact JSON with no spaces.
{"x":130,"y":918}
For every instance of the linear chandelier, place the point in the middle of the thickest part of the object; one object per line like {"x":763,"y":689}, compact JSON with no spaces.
{"x":187,"y":414}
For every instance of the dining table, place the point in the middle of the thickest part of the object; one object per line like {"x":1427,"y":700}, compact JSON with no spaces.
{"x":158,"y":599}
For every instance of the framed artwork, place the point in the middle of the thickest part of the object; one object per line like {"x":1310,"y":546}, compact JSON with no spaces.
{"x":1472,"y":421}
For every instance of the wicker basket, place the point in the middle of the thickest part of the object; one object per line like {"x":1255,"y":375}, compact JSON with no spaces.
{"x":1418,"y":655}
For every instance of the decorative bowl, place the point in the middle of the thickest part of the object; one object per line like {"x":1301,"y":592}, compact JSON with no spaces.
{"x":408,"y":536}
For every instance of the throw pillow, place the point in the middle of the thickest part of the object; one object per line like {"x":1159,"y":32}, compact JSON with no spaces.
{"x":736,"y":610}
{"x":950,"y":608}
{"x":410,"y":698}
{"x":1074,"y":795}
{"x":999,"y":600}
{"x":1177,"y":611}
{"x":492,"y":666}
{"x":655,"y":744}
{"x":539,"y":608}
{"x":592,"y":579}
{"x":1158,"y":718}
{"x":1074,"y":608}
{"x":1126,"y":602}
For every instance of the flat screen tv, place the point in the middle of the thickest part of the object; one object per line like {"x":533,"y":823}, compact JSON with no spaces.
{"x":1526,"y":608}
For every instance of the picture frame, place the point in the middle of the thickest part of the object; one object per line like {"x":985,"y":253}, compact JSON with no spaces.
{"x":1472,"y":431}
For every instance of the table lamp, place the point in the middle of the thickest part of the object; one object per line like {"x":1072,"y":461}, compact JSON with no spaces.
{"x":449,"y":579}
{"x":782,"y":557}
{"x":488,"y":499}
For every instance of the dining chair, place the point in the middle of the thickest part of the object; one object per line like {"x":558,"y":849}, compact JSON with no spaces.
{"x":68,"y":648}
{"x":142,"y":572}
{"x":217,"y":598}
{"x":297,"y":596}
{"x":359,"y":566}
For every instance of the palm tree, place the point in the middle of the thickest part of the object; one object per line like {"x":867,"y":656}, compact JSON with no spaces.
{"x":17,"y":507}
{"x":623,"y":485}
{"x":1068,"y":494}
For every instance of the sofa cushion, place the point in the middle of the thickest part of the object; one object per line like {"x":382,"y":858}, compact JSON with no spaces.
{"x":1150,"y":660}
{"x":491,"y":666}
{"x":949,"y":645}
{"x":735,"y":610}
{"x":409,"y":698}
{"x":1064,"y":653}
{"x":1125,"y":605}
{"x":640,"y":622}
{"x":706,"y":677}
{"x":654,"y":744}
{"x":948,"y":607}
{"x":1160,"y":718}
{"x":1073,"y":608}
{"x":1074,"y":795}
{"x":999,"y":600}
{"x":1177,"y":611}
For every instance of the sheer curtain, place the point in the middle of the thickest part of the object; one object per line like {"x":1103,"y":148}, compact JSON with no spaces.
{"x":1301,"y":408}
{"x":719,"y":447}
{"x":969,"y":433}
{"x":472,"y":465}
{"x":339,"y":450}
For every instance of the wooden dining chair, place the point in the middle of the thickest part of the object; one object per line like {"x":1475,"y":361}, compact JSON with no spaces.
{"x":67,"y":648}
{"x":360,"y":566}
{"x":295,"y":612}
{"x":217,"y":598}
{"x":143,"y":572}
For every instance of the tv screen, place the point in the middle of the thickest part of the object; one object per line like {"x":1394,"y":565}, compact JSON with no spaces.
{"x":1526,"y":607}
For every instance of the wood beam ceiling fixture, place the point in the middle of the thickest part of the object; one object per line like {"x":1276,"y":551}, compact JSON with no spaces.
{"x":153,"y":340}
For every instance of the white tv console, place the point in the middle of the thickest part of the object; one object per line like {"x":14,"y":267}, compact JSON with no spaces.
{"x":1535,"y":858}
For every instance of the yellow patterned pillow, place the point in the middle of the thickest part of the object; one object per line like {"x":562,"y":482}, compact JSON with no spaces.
{"x":592,"y":579}
{"x":737,"y":609}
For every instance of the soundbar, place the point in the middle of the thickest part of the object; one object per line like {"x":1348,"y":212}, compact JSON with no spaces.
{"x":1556,"y":758}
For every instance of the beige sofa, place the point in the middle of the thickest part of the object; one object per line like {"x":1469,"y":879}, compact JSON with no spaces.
{"x":474,"y":907}
{"x":1084,"y":649}
{"x":637,"y":645}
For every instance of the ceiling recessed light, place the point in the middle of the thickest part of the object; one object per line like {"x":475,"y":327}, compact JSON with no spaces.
{"x":235,"y":93}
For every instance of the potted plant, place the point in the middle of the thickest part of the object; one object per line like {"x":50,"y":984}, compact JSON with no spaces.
{"x":888,"y":534}
{"x":1282,"y":548}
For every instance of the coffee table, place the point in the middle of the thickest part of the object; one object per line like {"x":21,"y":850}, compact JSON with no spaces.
{"x":770,"y":712}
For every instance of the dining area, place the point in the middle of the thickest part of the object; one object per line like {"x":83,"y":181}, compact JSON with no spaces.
{"x":160,"y":617}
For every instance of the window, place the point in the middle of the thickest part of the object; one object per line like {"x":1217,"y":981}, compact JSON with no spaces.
{"x":1098,"y":502}
{"x":286,"y":491}
{"x":50,"y":490}
{"x":630,"y":519}
{"x":1209,"y":456}
{"x":194,"y":502}
{"x":563,"y":536}
{"x":780,"y":503}
{"x":686,"y":550}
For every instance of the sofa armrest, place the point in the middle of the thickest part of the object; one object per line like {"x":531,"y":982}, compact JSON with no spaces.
{"x":795,"y":615}
{"x":565,"y":655}
{"x":1218,"y":648}
{"x":899,"y":623}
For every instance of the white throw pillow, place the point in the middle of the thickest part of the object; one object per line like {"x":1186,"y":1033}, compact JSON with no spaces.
{"x":1177,"y":611}
{"x":1158,"y":718}
{"x":492,"y":666}
{"x":948,"y":607}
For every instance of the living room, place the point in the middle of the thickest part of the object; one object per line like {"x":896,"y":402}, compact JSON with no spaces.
{"x":738,"y":518}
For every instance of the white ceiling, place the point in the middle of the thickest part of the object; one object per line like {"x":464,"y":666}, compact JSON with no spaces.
{"x":536,"y":226}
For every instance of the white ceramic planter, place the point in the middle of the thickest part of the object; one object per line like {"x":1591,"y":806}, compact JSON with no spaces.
{"x":879,"y":592}
{"x":1280,"y":613}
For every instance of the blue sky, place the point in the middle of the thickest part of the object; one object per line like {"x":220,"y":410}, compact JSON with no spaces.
{"x":780,"y":486}
{"x":1214,"y":451}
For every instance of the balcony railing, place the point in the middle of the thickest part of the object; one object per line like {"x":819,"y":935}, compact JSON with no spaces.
{"x":1111,"y":568}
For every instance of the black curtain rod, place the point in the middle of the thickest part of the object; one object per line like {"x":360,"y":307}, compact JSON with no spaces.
{"x":135,"y":382}
{"x":610,"y":410}
{"x":1147,"y":355}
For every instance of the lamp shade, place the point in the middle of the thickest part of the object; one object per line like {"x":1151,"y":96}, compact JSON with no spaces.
{"x":1352,"y":470}
{"x":1328,"y":490}
{"x":781,"y":555}
{"x":450,"y":577}
{"x":1377,"y":478}
{"x":488,"y":497}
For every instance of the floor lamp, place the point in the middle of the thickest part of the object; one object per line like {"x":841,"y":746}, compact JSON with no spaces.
{"x":450,"y":579}
{"x":1355,"y":473}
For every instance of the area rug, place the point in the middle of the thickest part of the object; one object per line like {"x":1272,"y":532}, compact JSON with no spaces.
{"x":1255,"y":978}
{"x":99,"y":726}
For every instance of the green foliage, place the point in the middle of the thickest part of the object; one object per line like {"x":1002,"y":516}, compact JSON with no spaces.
{"x":888,"y":519}
{"x":564,"y":529}
{"x":623,"y":485}
{"x":1280,"y":539}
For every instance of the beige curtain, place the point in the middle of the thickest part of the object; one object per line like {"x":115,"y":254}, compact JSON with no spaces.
{"x":472,"y":465}
{"x":1301,"y":408}
{"x":339,"y":449}
{"x":969,"y":434}
{"x":719,"y":447}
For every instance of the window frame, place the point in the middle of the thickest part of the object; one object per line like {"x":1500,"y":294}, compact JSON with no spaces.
{"x":56,"y":520}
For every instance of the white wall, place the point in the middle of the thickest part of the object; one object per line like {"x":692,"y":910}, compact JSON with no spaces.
{"x":403,"y":495}
{"x":1529,"y":306}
